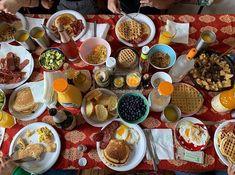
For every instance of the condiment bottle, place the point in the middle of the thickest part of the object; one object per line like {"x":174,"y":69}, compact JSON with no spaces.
{"x":68,"y":45}
{"x":224,"y":102}
{"x":68,"y":95}
{"x":63,"y":119}
{"x":144,"y":61}
{"x":182,"y":66}
{"x":145,"y":80}
{"x":69,"y":72}
{"x":161,"y":96}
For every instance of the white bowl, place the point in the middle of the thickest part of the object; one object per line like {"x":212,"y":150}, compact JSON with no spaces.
{"x":88,"y":45}
{"x":162,"y":75}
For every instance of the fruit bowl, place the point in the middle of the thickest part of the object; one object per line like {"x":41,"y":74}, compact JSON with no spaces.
{"x":133,"y":108}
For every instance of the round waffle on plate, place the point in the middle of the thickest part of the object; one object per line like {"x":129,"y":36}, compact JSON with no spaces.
{"x":227,"y":148}
{"x":224,"y":141}
{"x":135,"y":33}
{"x":127,"y":58}
{"x":187,"y":98}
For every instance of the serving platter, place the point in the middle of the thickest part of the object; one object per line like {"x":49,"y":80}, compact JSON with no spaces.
{"x":227,"y":59}
{"x":72,"y":12}
{"x":25,"y":117}
{"x":91,"y":120}
{"x":23,"y":54}
{"x":137,"y":153}
{"x":141,"y":18}
{"x":48,"y":159}
{"x":216,"y":145}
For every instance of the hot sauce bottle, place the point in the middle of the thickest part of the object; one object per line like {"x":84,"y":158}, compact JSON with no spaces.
{"x":68,"y":45}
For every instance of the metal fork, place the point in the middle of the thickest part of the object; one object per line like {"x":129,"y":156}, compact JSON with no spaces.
{"x":14,"y":156}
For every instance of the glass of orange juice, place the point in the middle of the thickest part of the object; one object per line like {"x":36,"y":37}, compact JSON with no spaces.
{"x":6,"y":120}
{"x":166,"y":35}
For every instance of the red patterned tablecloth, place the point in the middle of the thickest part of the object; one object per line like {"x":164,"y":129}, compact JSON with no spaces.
{"x":222,"y":25}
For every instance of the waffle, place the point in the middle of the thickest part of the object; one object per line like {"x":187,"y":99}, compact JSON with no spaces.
{"x":222,"y":135}
{"x":127,"y":58}
{"x":132,"y":31}
{"x":187,"y":98}
{"x":227,"y":148}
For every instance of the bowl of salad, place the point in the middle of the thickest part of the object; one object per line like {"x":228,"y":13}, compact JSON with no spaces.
{"x":52,"y":59}
{"x":2,"y":99}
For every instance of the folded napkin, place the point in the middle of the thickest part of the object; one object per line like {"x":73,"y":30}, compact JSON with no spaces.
{"x":163,"y":140}
{"x":102,"y":30}
{"x":49,"y":96}
{"x":182,"y":31}
{"x":37,"y":89}
{"x":34,"y":22}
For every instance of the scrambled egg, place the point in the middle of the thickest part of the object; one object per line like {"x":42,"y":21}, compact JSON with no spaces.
{"x":98,"y":55}
{"x":45,"y":135}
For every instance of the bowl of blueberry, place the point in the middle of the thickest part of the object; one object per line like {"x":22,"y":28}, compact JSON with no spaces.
{"x":133,"y":108}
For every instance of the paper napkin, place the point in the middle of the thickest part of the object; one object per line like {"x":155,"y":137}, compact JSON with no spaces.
{"x":102,"y":30}
{"x":163,"y":140}
{"x":34,"y":22}
{"x":37,"y":89}
{"x":182,"y":31}
{"x":49,"y":96}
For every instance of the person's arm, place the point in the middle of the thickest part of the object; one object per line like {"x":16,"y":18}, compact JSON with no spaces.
{"x":47,"y":4}
{"x":10,"y":168}
{"x":12,"y":6}
{"x":114,"y":6}
{"x":159,"y":4}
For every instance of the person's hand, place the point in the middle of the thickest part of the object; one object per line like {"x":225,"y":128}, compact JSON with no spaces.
{"x":159,"y":4}
{"x":147,"y":3}
{"x":114,"y":6}
{"x":231,"y":169}
{"x":6,"y":166}
{"x":47,"y":4}
{"x":11,"y":6}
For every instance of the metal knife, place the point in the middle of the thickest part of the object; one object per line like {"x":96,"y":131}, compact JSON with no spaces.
{"x":154,"y":147}
{"x":150,"y":149}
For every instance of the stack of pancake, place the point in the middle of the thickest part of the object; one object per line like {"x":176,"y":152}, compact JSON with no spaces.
{"x":24,"y":102}
{"x":117,"y":152}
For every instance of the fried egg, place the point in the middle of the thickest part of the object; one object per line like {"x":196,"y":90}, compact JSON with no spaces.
{"x":194,"y":134}
{"x":122,"y":132}
{"x":130,"y":135}
{"x":133,"y":136}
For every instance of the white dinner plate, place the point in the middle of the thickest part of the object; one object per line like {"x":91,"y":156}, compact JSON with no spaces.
{"x":72,"y":12}
{"x":23,"y":54}
{"x":136,"y":155}
{"x":180,"y":139}
{"x":91,"y":121}
{"x":224,"y":159}
{"x":24,"y":25}
{"x":41,"y":106}
{"x":48,"y":158}
{"x":142,"y":18}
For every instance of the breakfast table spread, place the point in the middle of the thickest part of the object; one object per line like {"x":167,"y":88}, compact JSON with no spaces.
{"x":222,"y":25}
